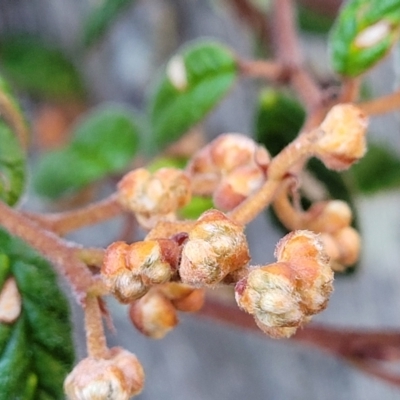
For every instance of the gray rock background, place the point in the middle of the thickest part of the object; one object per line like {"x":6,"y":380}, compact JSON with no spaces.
{"x":200,"y":360}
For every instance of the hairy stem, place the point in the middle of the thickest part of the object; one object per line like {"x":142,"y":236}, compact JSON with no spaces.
{"x":95,"y":338}
{"x":60,"y":252}
{"x":269,"y":70}
{"x":65,"y":222}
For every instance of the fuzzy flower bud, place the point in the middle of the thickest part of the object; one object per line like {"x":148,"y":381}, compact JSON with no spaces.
{"x":269,"y":293}
{"x":183,"y":297}
{"x":349,"y":244}
{"x":130,"y":270}
{"x":282,"y":296}
{"x":119,"y":377}
{"x":215,"y":247}
{"x":153,"y":315}
{"x":343,"y":141}
{"x":158,"y":194}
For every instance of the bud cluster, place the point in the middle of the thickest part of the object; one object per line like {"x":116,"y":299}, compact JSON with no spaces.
{"x":284,"y":295}
{"x":154,"y":196}
{"x":232,"y":167}
{"x":120,"y":376}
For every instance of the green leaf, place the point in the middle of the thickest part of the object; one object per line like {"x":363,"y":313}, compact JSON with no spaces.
{"x":104,"y":142}
{"x":197,"y":206}
{"x":192,"y":84}
{"x":279,"y":118}
{"x":377,"y":170}
{"x":36,"y":351}
{"x":12,"y":166}
{"x":101,"y":18}
{"x":363,"y":34}
{"x":39,"y":69}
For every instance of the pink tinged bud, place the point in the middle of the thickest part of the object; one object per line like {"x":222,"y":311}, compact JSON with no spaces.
{"x":153,"y":315}
{"x":216,"y":246}
{"x":119,"y":377}
{"x":343,"y":141}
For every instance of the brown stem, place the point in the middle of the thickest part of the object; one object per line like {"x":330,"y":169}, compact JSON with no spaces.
{"x":285,"y":34}
{"x":91,"y":256}
{"x":269,"y":70}
{"x":285,"y":211}
{"x":14,"y":118}
{"x":353,"y":346}
{"x":65,"y":222}
{"x":350,"y":90}
{"x":381,"y":105}
{"x":95,"y":338}
{"x":60,"y":252}
{"x":324,"y":7}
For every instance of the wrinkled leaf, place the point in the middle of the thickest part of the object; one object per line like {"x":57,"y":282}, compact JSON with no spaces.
{"x":101,"y":18}
{"x":363,"y":34}
{"x":36,"y":351}
{"x":279,"y":118}
{"x":39,"y":69}
{"x":192,"y":84}
{"x":104,"y":142}
{"x":377,"y":170}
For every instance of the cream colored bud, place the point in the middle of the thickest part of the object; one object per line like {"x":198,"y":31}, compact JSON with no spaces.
{"x":161,"y":193}
{"x":119,"y":377}
{"x":10,"y":302}
{"x":330,"y":216}
{"x":343,"y":141}
{"x":270,"y":295}
{"x":215,"y":247}
{"x":153,"y":315}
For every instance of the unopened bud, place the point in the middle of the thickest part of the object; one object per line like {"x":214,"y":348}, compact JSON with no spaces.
{"x":349,"y":245}
{"x":330,"y":216}
{"x":215,"y":247}
{"x":237,"y":186}
{"x":183,"y":297}
{"x":343,"y":141}
{"x":130,"y":270}
{"x":161,"y":193}
{"x":119,"y":377}
{"x":269,"y":293}
{"x":153,"y":315}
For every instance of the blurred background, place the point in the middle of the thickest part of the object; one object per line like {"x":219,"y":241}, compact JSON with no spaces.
{"x":119,"y":62}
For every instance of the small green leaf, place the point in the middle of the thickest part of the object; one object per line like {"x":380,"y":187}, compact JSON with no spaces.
{"x":194,"y":81}
{"x":363,"y":34}
{"x":104,"y":142}
{"x":39,"y":69}
{"x":36,"y":352}
{"x":197,"y":206}
{"x":377,"y":170}
{"x":101,"y":18}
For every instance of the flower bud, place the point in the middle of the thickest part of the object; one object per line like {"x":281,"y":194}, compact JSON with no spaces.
{"x":183,"y":297}
{"x":153,"y":315}
{"x":237,"y":186}
{"x":161,"y":193}
{"x":215,"y":247}
{"x":343,"y":141}
{"x":119,"y":377}
{"x":129,"y":270}
{"x":269,"y":293}
{"x":330,"y":216}
{"x":10,"y":302}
